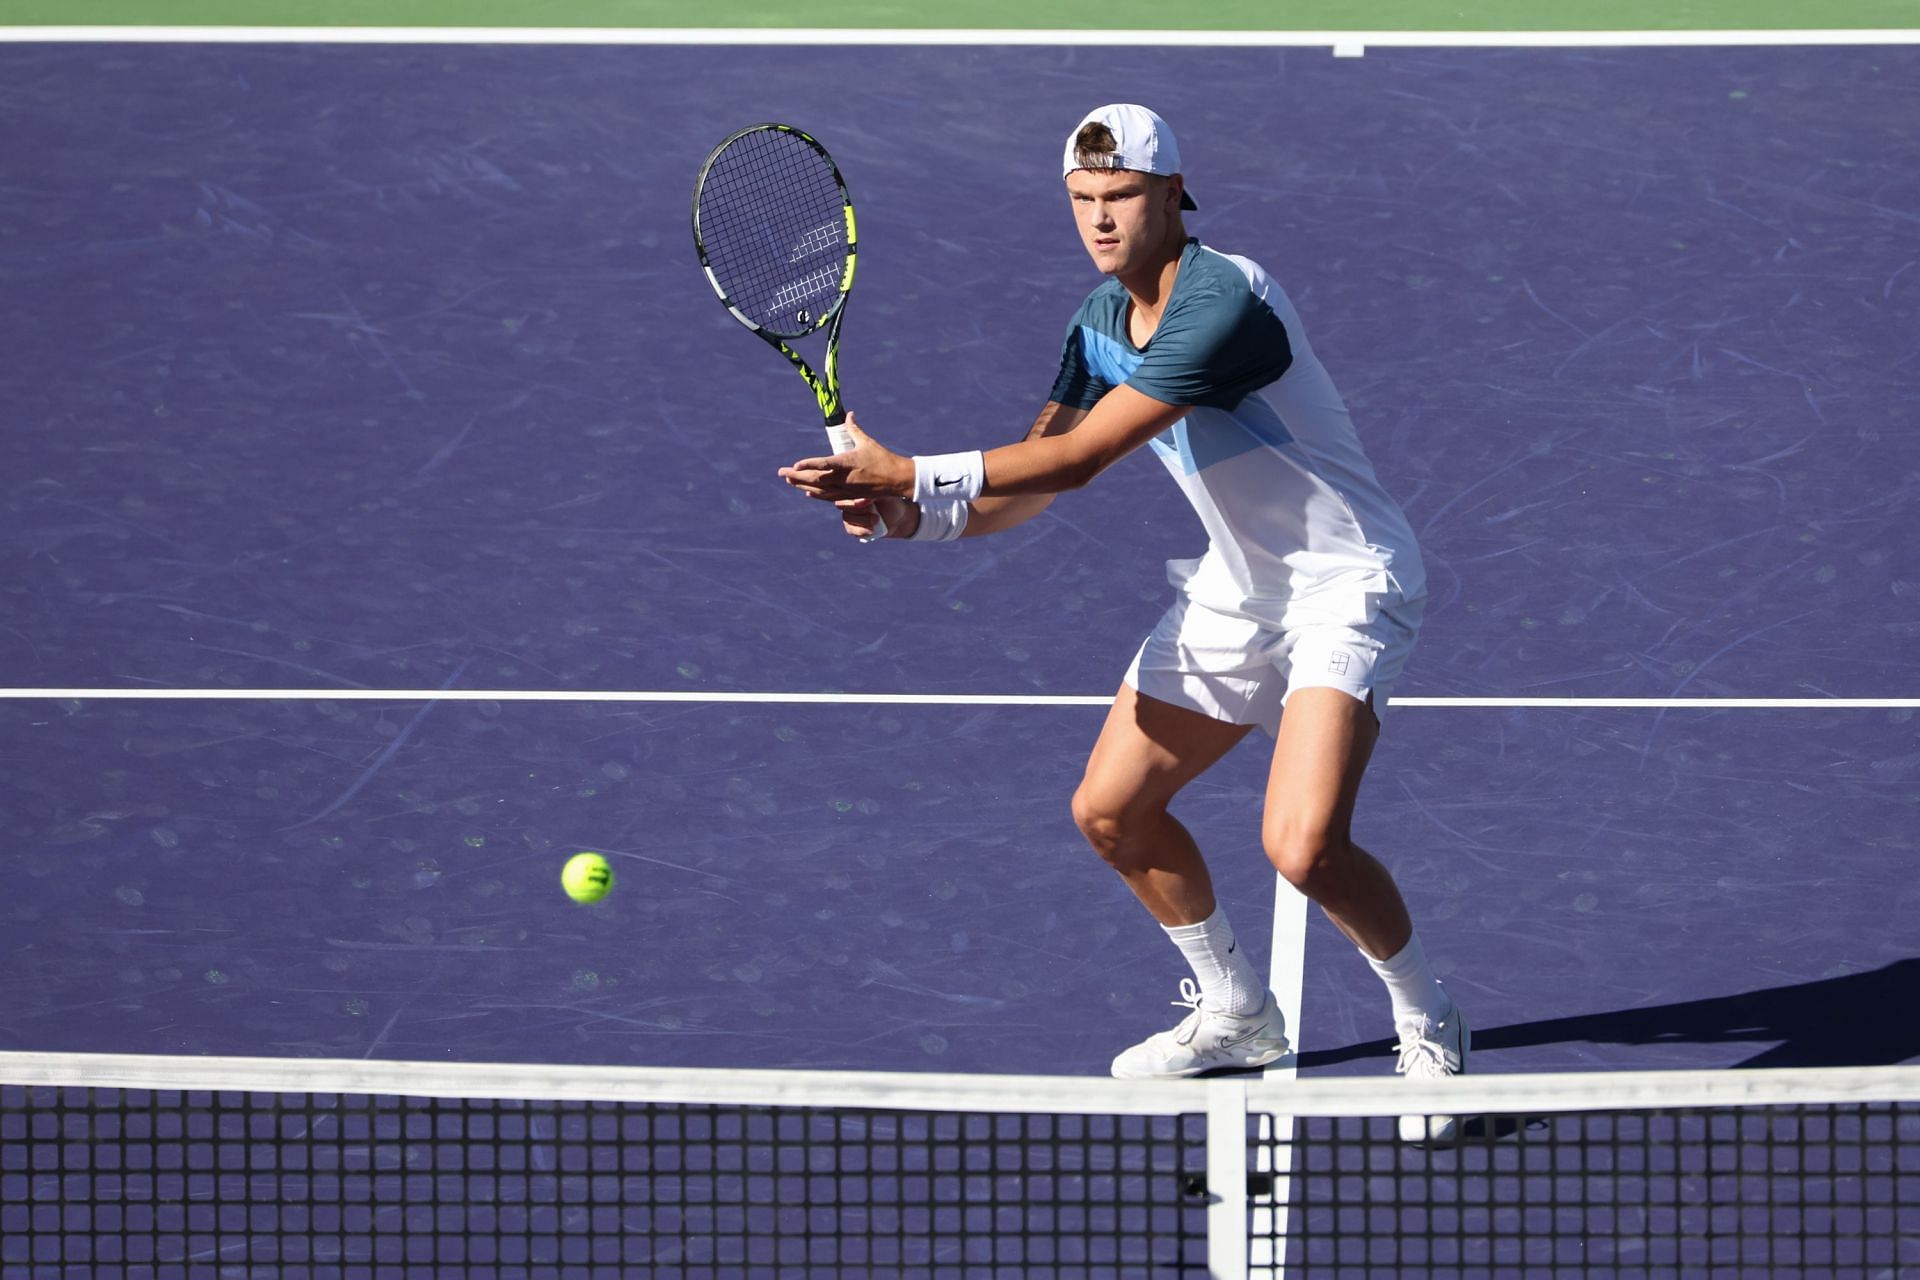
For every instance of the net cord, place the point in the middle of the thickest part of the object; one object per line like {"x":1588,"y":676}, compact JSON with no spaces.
{"x":1544,"y":1093}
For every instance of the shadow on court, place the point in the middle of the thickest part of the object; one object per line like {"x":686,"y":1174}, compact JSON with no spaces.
{"x":1853,"y":1021}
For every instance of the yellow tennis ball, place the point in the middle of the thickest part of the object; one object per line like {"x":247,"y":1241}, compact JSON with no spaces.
{"x":587,"y":877}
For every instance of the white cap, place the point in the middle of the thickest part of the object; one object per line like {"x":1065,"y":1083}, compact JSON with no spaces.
{"x":1143,"y":142}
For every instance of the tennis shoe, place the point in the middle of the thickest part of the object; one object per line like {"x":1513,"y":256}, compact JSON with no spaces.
{"x":1433,"y":1051}
{"x":1207,"y":1040}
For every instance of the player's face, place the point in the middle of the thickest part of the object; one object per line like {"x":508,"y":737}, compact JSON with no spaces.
{"x":1125,"y":218}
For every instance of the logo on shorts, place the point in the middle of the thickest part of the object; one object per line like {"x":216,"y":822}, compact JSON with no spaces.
{"x":1338,"y":664}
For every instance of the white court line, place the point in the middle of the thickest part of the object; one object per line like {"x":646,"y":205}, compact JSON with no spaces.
{"x":1343,"y":43}
{"x":559,"y":695}
{"x":1286,"y":978}
{"x":897,"y":699}
{"x":1725,"y":704}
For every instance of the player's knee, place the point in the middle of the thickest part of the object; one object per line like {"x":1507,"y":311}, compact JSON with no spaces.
{"x":1098,"y":820}
{"x":1304,"y":853}
{"x":1106,"y":822}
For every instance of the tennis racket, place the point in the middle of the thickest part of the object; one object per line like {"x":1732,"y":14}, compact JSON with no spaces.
{"x":773,"y":225}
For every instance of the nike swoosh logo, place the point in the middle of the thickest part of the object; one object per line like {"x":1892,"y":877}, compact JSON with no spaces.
{"x":1234,"y":1042}
{"x":1232,"y":945}
{"x":947,"y":484}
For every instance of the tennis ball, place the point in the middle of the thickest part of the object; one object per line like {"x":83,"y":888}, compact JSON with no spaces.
{"x":587,"y":877}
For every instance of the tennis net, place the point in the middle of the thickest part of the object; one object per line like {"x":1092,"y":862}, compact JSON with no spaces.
{"x":120,"y":1166}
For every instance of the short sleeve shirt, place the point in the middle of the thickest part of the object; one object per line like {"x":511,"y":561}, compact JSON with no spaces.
{"x":1300,"y":527}
{"x":1217,"y":342}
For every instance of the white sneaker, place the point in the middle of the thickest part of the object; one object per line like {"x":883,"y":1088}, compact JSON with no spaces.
{"x":1207,"y":1041}
{"x":1433,"y":1051}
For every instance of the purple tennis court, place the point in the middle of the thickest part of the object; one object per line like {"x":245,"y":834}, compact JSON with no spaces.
{"x":388,"y":368}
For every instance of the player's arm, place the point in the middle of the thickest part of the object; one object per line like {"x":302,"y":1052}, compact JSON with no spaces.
{"x":1054,"y":462}
{"x":1047,"y":462}
{"x":985,"y":515}
{"x":1003,"y":511}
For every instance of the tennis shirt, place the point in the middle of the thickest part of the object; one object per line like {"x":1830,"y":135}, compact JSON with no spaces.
{"x":1300,"y":531}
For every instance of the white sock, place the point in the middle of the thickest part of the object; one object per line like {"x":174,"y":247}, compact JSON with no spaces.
{"x":1227,"y":982}
{"x":1411,"y":983}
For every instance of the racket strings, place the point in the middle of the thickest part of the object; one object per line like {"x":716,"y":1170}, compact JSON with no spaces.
{"x":773,"y":226}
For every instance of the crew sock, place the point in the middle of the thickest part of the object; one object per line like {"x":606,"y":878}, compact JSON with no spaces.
{"x":1228,"y":983}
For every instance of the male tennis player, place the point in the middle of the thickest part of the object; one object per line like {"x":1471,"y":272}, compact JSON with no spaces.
{"x":1308,"y":598}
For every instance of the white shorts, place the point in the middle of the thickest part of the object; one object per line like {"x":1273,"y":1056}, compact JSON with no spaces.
{"x":1242,"y":671}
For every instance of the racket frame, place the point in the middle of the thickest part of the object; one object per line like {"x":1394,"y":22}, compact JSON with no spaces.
{"x":825,"y":385}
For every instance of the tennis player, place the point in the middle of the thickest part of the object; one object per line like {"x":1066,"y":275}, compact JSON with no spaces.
{"x":1307,"y":600}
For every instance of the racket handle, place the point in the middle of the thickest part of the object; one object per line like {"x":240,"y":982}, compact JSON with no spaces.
{"x":842,"y":441}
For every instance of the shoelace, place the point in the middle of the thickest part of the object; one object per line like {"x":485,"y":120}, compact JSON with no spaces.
{"x":1422,"y":1056}
{"x":1189,"y":999}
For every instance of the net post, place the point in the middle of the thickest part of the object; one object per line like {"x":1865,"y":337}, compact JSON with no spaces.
{"x":1226,"y":1180}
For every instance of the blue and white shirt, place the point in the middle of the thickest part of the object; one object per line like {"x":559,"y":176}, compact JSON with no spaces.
{"x":1300,"y":530}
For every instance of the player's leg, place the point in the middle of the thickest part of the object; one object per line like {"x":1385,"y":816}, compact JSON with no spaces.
{"x":1148,"y":750}
{"x":1199,"y":683}
{"x":1325,"y":742}
{"x":1320,"y":756}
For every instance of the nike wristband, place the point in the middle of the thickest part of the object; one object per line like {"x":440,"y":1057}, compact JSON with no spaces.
{"x":941,"y":521}
{"x":948,"y":477}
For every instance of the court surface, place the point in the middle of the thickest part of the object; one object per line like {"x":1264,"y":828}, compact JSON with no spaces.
{"x":356,"y":369}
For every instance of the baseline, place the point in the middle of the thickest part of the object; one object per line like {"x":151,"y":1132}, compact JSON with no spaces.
{"x":1343,"y":43}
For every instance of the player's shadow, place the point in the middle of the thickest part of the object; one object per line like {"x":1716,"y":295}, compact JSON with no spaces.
{"x":1861,"y":1020}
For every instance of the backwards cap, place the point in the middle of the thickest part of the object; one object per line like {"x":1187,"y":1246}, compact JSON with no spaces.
{"x":1143,"y":142}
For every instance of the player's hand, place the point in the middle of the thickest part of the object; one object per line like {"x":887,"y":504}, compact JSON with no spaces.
{"x":862,"y":517}
{"x":870,"y":470}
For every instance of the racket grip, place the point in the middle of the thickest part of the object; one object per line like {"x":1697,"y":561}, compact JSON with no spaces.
{"x":842,"y":441}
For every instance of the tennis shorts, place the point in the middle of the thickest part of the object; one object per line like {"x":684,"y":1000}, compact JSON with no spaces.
{"x":1243,"y":671}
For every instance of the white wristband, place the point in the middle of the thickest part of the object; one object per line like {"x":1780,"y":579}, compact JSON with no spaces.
{"x":945,"y":477}
{"x":941,"y":521}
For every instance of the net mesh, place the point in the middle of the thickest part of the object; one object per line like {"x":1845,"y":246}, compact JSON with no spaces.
{"x":178,"y":1183}
{"x":1808,"y":1189}
{"x":771,"y":220}
{"x":155,"y":1168}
